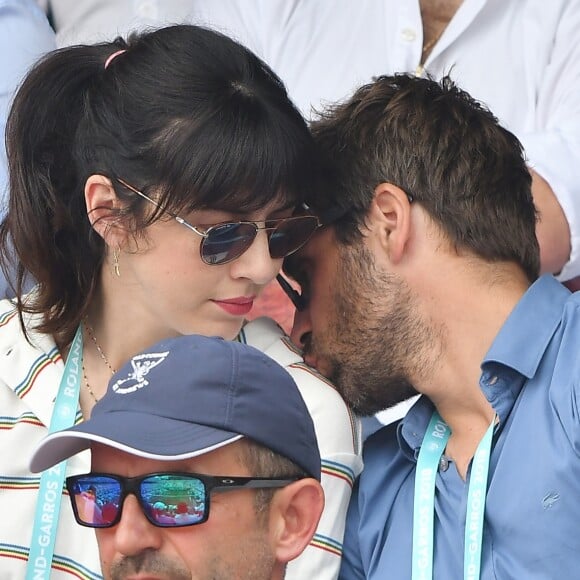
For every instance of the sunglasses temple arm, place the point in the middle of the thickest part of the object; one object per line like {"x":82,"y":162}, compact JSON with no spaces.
{"x":151,"y":200}
{"x":188,"y":226}
{"x":294,"y":296}
{"x":255,"y":484}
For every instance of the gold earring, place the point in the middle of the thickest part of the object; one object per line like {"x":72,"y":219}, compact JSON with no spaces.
{"x":116,"y":261}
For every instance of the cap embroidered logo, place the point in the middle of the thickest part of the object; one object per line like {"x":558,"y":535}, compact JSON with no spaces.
{"x":141,"y":364}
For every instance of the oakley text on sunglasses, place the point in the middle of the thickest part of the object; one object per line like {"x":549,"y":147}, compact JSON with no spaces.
{"x":225,"y":242}
{"x":168,"y":499}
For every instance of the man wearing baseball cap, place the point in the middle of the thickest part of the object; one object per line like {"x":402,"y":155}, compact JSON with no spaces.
{"x":182,"y":423}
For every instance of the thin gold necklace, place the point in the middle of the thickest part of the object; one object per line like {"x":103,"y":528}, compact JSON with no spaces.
{"x":91,"y":334}
{"x":91,"y":393}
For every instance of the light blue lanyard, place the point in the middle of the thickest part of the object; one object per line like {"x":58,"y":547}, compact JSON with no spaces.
{"x":52,"y":480}
{"x":432,"y":448}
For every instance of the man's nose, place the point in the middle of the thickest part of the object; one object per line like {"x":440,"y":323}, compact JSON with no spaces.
{"x":134,"y":533}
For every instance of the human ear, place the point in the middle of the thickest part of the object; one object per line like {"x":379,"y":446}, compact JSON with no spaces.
{"x":103,"y":207}
{"x":294,"y":515}
{"x":390,"y":219}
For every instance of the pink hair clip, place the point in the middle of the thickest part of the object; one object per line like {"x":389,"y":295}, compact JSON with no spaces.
{"x":113,"y":56}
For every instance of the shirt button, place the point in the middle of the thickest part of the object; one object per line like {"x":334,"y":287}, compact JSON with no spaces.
{"x":408,"y":34}
{"x":147,"y":9}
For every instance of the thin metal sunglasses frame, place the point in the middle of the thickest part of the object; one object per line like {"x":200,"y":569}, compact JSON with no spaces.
{"x":205,"y":234}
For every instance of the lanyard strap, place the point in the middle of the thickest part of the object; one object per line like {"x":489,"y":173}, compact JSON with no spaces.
{"x":432,"y":448}
{"x":52,"y":480}
{"x":476,"y":507}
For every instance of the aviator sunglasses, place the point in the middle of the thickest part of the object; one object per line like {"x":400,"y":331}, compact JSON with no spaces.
{"x":227,"y":241}
{"x":168,"y":500}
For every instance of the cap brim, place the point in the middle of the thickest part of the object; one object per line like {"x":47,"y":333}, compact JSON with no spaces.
{"x":146,"y":436}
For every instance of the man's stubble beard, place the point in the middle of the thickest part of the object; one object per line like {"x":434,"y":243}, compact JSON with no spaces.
{"x":254,"y":561}
{"x":376,"y":340}
{"x":148,"y":561}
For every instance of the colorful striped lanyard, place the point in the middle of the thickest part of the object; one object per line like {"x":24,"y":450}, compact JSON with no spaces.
{"x":432,"y":448}
{"x":51,"y":482}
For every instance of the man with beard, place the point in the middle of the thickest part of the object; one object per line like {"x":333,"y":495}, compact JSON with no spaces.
{"x":181,"y":424}
{"x":425,"y":279}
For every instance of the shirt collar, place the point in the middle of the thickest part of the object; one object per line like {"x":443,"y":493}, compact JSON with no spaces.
{"x":532,"y":323}
{"x":411,"y":429}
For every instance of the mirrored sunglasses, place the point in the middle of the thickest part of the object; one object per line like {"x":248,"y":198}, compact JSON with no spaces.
{"x":168,"y":500}
{"x":225,"y":242}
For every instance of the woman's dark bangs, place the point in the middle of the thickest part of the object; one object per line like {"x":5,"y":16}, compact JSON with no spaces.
{"x":237,"y":165}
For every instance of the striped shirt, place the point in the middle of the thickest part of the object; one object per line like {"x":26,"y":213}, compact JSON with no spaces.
{"x":30,"y":375}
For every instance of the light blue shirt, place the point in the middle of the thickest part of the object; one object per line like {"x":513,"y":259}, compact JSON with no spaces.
{"x":24,"y":36}
{"x":531,"y":376}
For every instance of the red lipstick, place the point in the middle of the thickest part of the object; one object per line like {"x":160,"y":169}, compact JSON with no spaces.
{"x":238,"y":306}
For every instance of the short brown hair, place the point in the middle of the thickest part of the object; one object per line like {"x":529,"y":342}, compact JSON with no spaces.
{"x":444,"y":149}
{"x":263,"y":462}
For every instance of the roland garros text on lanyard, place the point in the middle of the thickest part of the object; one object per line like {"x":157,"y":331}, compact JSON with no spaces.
{"x":432,"y":448}
{"x":52,"y":480}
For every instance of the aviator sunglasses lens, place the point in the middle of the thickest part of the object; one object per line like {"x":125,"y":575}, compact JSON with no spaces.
{"x":227,"y":242}
{"x":291,"y":235}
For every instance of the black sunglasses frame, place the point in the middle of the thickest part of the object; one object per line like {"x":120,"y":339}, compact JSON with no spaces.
{"x":132,"y":486}
{"x":295,"y":297}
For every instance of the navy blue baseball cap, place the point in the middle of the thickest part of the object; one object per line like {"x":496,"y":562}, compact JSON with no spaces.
{"x":191,"y":395}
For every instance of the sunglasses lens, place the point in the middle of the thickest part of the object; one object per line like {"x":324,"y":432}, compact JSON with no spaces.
{"x":291,"y":235}
{"x":174,"y":500}
{"x":96,"y":500}
{"x":227,"y":242}
{"x":168,"y":500}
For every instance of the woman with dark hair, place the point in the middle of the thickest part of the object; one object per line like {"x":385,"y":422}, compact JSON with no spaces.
{"x":155,"y":187}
